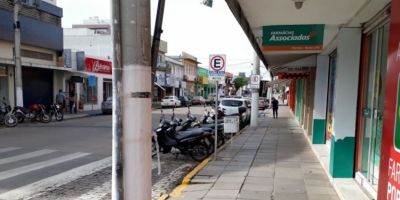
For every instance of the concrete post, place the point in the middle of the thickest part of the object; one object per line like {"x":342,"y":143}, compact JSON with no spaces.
{"x":320,"y":95}
{"x":17,"y":55}
{"x":345,"y":103}
{"x":255,"y":93}
{"x":131,"y":164}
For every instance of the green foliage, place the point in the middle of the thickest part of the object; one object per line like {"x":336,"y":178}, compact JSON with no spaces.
{"x":240,"y":82}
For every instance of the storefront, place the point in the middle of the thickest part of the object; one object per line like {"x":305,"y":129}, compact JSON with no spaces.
{"x":97,"y":83}
{"x":37,"y":86}
{"x":371,"y":103}
{"x":4,"y":83}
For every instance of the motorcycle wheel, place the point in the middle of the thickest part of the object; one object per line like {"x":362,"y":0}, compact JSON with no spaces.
{"x":153,"y":148}
{"x":20,"y":117}
{"x":59,"y":116}
{"x":10,"y":120}
{"x":199,"y":152}
{"x":45,"y":118}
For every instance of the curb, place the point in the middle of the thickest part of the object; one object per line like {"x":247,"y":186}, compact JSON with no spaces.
{"x":177,"y":191}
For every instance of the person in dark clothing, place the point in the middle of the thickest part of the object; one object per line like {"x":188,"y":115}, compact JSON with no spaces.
{"x":275,"y":105}
{"x":72,"y":105}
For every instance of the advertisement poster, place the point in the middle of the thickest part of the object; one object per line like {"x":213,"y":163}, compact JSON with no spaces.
{"x":98,"y":66}
{"x":308,"y":37}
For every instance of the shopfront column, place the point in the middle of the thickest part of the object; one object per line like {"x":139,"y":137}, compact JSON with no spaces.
{"x":320,"y":95}
{"x":345,"y":101}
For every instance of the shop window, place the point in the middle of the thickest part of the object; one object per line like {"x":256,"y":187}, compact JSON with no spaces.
{"x":91,"y":89}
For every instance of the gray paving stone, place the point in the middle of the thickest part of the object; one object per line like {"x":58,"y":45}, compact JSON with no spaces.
{"x":286,"y":196}
{"x":258,"y":187}
{"x":312,"y":190}
{"x":222,"y":194}
{"x":256,"y":195}
{"x":322,"y":196}
{"x":198,"y":187}
{"x":227,"y":185}
{"x":231,"y":179}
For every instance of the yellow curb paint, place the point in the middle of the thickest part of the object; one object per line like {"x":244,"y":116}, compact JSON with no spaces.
{"x":177,"y":192}
{"x":163,"y":197}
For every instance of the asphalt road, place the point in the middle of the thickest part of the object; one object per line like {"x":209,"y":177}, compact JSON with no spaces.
{"x":35,"y":155}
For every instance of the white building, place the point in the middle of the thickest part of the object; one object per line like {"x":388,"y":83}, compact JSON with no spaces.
{"x":93,"y":40}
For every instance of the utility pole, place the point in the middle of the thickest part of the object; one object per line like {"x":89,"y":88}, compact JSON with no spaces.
{"x":17,"y":55}
{"x":131,"y":163}
{"x":255,"y":93}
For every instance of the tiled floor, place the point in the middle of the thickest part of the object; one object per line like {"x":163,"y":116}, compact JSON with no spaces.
{"x":273,"y":161}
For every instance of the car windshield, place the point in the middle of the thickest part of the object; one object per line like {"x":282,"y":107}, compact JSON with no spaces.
{"x":170,"y":97}
{"x":109,"y":99}
{"x":231,"y":103}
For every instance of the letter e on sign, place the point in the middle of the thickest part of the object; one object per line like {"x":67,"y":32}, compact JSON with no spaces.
{"x":217,"y":62}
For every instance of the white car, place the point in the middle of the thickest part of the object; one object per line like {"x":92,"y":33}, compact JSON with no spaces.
{"x":170,"y":101}
{"x":231,"y":106}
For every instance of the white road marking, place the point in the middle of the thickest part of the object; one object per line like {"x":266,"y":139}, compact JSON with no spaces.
{"x":97,"y":192}
{"x":56,"y":180}
{"x":9,"y":149}
{"x":25,"y":156}
{"x":39,"y":165}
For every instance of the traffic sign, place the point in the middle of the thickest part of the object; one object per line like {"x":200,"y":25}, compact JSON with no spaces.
{"x":255,"y":81}
{"x":217,"y":65}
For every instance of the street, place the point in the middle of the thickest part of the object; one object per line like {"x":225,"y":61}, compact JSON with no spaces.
{"x":72,"y":159}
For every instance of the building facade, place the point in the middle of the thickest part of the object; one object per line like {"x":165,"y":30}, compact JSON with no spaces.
{"x":190,"y":73}
{"x":345,"y":94}
{"x":41,"y":51}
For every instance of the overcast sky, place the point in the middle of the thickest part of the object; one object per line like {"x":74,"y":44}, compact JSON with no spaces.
{"x":188,"y":26}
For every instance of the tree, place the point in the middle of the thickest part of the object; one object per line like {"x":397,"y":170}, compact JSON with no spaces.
{"x":240,"y":82}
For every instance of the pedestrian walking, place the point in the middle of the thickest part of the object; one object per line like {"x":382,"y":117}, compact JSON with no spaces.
{"x":72,"y":105}
{"x":275,"y":105}
{"x":60,"y":99}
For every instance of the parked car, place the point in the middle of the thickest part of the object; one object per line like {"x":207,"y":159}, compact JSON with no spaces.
{"x":233,"y":106}
{"x":211,"y":98}
{"x":198,"y":100}
{"x":170,"y":101}
{"x":261,"y":104}
{"x":106,"y":106}
{"x":185,"y":101}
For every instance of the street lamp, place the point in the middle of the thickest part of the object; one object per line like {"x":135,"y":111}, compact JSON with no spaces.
{"x":18,"y":4}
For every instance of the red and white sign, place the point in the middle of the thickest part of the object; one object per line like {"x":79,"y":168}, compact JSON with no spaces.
{"x":98,"y":66}
{"x":217,"y":65}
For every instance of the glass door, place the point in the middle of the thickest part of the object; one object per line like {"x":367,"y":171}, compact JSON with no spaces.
{"x":373,"y":104}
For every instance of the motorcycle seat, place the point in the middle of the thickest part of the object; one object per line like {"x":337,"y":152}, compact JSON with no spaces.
{"x":212,"y":126}
{"x":189,"y":133}
{"x":25,"y":110}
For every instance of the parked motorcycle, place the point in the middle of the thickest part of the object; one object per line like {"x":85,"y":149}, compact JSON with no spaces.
{"x":192,"y":123}
{"x":6,"y":116}
{"x":36,"y":112}
{"x":56,"y":111}
{"x":191,"y":142}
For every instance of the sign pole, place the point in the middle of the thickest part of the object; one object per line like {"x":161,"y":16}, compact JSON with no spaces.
{"x":216,"y":121}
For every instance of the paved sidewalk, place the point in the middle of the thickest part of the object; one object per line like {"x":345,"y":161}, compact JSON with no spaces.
{"x":81,"y":114}
{"x":273,"y":161}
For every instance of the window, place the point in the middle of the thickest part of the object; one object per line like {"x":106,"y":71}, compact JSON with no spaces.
{"x":232,"y":103}
{"x":36,"y":55}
